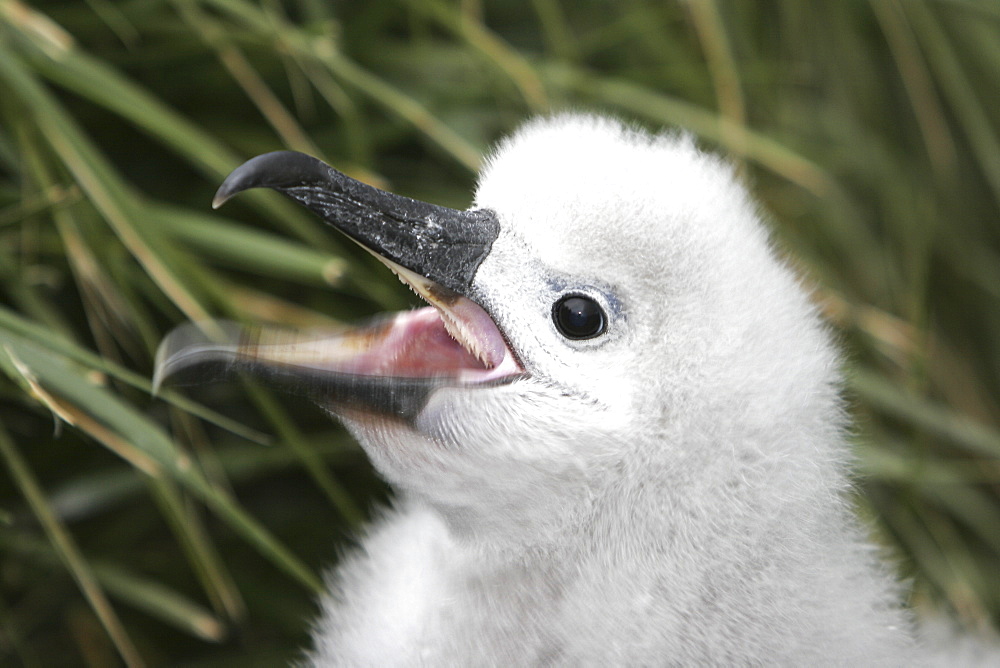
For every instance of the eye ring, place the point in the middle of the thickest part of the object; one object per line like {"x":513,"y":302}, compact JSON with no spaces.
{"x":578,"y":317}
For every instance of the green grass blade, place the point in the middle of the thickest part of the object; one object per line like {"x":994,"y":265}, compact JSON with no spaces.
{"x":325,"y":52}
{"x":292,"y":437}
{"x":70,"y":67}
{"x":711,"y":29}
{"x":243,"y":247}
{"x":67,"y":550}
{"x":960,"y":92}
{"x":764,"y":151}
{"x":140,"y":441}
{"x":54,"y":341}
{"x":976,"y":437}
{"x":202,"y":555}
{"x":96,"y":177}
{"x":93,"y":80}
{"x":470,"y":29}
{"x":145,"y":594}
{"x":90,"y":494}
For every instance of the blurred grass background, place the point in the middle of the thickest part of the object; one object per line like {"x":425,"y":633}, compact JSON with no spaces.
{"x":192,"y":529}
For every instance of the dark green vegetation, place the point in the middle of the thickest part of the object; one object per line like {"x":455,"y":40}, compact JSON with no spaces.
{"x":194,"y":527}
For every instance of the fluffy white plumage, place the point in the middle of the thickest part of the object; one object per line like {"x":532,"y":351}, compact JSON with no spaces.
{"x":669,"y":493}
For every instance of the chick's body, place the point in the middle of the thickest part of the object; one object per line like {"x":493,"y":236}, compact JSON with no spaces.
{"x":670,"y":492}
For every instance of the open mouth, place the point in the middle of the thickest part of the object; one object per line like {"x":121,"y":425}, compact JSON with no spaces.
{"x":390,"y":365}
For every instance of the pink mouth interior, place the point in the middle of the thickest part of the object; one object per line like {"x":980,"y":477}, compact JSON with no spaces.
{"x":418,"y":345}
{"x":410,"y":344}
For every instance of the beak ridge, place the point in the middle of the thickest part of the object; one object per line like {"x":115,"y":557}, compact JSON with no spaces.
{"x":439,"y":243}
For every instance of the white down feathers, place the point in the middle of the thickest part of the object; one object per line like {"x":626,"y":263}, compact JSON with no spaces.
{"x":670,"y":493}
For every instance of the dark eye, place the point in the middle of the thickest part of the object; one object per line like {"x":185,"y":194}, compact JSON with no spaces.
{"x":578,"y":317}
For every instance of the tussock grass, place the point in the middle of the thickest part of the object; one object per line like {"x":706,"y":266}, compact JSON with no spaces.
{"x":195,"y":527}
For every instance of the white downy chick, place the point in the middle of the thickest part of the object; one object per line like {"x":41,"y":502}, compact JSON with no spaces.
{"x":636,"y":455}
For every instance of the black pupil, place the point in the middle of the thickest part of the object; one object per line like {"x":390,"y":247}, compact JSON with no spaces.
{"x":578,"y":317}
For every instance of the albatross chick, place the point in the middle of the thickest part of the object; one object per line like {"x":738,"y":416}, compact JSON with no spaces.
{"x":615,"y":432}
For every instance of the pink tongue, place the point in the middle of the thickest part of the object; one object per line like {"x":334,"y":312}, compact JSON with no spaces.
{"x":418,"y":345}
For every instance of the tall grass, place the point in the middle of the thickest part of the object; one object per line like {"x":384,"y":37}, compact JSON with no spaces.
{"x":193,"y":528}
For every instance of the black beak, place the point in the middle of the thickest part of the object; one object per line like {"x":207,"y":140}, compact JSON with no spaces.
{"x":441,"y":244}
{"x":389,"y":367}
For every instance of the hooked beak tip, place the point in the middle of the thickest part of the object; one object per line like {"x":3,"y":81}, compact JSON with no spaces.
{"x":220,"y":198}
{"x":208,"y":349}
{"x":278,"y":170}
{"x":157,"y":385}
